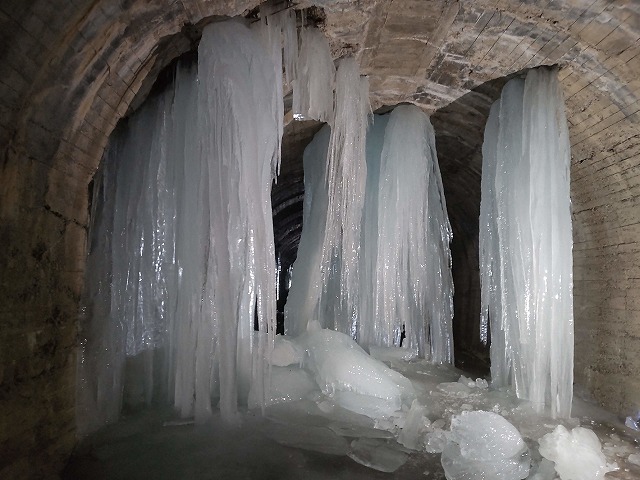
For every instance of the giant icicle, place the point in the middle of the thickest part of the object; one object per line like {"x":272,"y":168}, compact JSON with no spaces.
{"x":525,"y":242}
{"x":407,"y":261}
{"x":182,"y":226}
{"x":403,"y":262}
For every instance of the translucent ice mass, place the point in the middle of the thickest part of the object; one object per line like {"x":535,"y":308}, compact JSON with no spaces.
{"x":484,"y":445}
{"x":577,"y":454}
{"x":525,"y":242}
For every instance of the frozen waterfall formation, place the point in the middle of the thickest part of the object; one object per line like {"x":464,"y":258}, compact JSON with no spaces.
{"x":404,"y":264}
{"x":525,"y":242}
{"x":182,"y":257}
{"x":181,"y":276}
{"x":182,"y":267}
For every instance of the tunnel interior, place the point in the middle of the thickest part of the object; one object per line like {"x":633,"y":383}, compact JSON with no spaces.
{"x":73,"y":70}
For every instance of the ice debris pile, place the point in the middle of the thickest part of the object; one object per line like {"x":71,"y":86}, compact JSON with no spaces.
{"x":182,"y":261}
{"x":343,"y":373}
{"x":526,"y":242}
{"x":474,"y":432}
{"x":401,"y":260}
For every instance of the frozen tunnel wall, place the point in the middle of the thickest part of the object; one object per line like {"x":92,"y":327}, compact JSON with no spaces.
{"x":70,"y":70}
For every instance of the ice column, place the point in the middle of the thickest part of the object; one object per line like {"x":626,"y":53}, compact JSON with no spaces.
{"x":325,"y":281}
{"x":182,"y":253}
{"x":406,"y":261}
{"x":346,"y":180}
{"x":526,"y":242}
{"x":240,"y":136}
{"x":303,"y":302}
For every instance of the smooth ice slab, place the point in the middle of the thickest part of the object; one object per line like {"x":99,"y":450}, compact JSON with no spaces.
{"x":484,"y":445}
{"x":317,"y":439}
{"x":287,"y":384}
{"x":577,"y":454}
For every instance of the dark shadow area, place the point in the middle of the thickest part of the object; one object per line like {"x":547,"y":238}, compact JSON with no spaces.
{"x":459,"y":131}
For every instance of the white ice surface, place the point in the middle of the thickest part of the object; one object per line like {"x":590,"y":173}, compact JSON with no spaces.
{"x":349,"y":376}
{"x":577,"y":454}
{"x":484,"y":445}
{"x":285,"y":352}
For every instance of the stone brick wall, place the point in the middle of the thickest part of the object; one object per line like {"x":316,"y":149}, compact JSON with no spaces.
{"x":69,"y":69}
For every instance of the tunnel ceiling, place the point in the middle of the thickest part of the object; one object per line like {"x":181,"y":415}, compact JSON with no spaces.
{"x":72,"y":69}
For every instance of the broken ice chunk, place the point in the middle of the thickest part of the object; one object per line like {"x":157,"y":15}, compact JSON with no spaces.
{"x":577,"y":454}
{"x":484,"y":445}
{"x":353,"y":379}
{"x":414,"y":426}
{"x":631,"y":423}
{"x":466,"y":381}
{"x":435,"y":440}
{"x":478,"y":383}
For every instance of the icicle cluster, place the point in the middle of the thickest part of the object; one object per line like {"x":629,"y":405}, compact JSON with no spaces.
{"x":183,"y":231}
{"x":525,"y":242}
{"x":402,"y":258}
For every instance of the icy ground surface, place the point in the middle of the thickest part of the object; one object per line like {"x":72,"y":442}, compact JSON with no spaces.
{"x":312,"y":436}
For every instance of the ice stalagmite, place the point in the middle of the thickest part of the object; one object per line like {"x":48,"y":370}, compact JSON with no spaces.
{"x":182,"y":250}
{"x":525,"y":242}
{"x":407,"y":262}
{"x":303,"y":302}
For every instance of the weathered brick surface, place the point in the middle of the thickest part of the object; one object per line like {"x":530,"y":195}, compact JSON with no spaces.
{"x":70,"y":69}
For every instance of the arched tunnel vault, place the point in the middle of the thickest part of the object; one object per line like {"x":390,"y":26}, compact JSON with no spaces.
{"x":70,"y":70}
